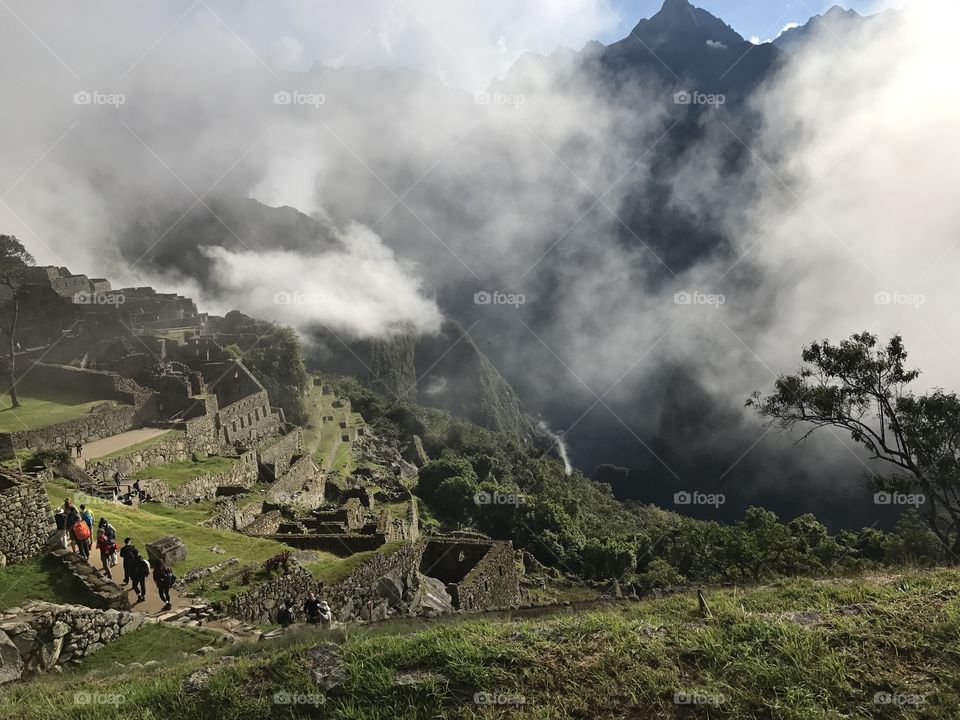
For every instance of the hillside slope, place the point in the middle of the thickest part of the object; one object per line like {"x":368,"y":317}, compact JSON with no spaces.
{"x":872,"y":647}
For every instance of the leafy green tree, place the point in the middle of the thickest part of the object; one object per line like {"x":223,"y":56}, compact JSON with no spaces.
{"x":14,"y":259}
{"x":860,"y":386}
{"x":277,"y":362}
{"x":454,"y":498}
{"x":447,"y":466}
{"x":607,"y":558}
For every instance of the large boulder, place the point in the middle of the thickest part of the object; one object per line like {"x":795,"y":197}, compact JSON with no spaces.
{"x":431,"y":597}
{"x":11,"y":667}
{"x":170,"y":549}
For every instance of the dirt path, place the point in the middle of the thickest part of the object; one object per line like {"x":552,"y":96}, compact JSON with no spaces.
{"x":99,"y":448}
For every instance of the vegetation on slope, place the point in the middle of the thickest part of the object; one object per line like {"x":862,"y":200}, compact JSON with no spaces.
{"x":875,"y":647}
{"x":494,"y":483}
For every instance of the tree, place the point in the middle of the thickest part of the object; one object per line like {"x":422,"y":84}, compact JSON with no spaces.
{"x":14,"y":258}
{"x":860,"y":387}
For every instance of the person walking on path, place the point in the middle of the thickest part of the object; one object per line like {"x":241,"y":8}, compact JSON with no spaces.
{"x":140,"y":572}
{"x":108,"y":529}
{"x":107,"y":549}
{"x":79,"y":447}
{"x":129,"y":554}
{"x":79,"y":529}
{"x":87,"y":517}
{"x":164,"y":579}
{"x":61,"y":520}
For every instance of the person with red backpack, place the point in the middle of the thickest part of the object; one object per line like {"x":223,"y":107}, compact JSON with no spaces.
{"x":107,"y":548}
{"x":79,"y":529}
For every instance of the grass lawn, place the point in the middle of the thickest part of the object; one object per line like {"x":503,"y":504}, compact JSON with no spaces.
{"x":858,"y":640}
{"x":136,"y":447}
{"x":179,"y":473}
{"x":35,"y":580}
{"x":150,"y":642}
{"x":39,"y":410}
{"x":153,"y":521}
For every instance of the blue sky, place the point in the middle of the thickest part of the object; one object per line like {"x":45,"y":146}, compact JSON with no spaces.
{"x":762,"y":18}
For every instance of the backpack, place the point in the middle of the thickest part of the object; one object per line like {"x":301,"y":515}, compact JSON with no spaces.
{"x":81,"y":531}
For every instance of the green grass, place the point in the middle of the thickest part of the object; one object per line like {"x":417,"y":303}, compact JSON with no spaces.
{"x":628,"y":661}
{"x":150,"y":642}
{"x":38,"y":409}
{"x":137,"y":447}
{"x":180,"y":473}
{"x":153,"y":520}
{"x":37,"y":580}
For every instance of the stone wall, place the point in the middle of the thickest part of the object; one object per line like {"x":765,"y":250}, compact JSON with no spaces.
{"x":248,"y":420}
{"x":265,"y":524}
{"x":242,"y":474}
{"x":25,"y":518}
{"x":278,"y":456}
{"x":492,"y":583}
{"x":141,"y":407}
{"x":343,"y":545}
{"x":259,"y":604}
{"x":179,"y":446}
{"x":349,"y":598}
{"x":101,"y":592}
{"x":302,"y":485}
{"x":42,"y":635}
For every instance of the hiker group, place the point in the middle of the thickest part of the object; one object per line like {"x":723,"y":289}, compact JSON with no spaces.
{"x":75,"y":526}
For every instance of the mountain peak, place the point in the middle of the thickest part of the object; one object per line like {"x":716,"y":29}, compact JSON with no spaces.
{"x":679,"y":19}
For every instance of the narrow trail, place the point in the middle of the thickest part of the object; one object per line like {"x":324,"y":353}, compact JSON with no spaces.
{"x":114,"y":443}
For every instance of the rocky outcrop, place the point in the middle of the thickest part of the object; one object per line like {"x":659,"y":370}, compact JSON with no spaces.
{"x":42,"y":635}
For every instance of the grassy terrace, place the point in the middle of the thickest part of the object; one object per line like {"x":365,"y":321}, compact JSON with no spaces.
{"x":755,"y":658}
{"x":152,"y":521}
{"x":38,"y":409}
{"x":35,"y":580}
{"x":179,"y":473}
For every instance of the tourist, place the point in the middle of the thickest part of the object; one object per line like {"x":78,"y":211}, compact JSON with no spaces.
{"x":79,"y":447}
{"x":164,"y":579}
{"x":61,"y":520}
{"x":107,"y":549}
{"x":108,"y":529}
{"x":139,"y":574}
{"x":326,"y":614}
{"x":117,"y":479}
{"x":87,"y":517}
{"x":311,"y":608}
{"x":285,"y":616}
{"x":129,"y":555}
{"x":78,"y":528}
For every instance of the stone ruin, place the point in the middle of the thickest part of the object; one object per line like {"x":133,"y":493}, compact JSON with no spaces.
{"x":166,"y":365}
